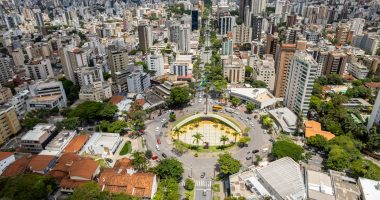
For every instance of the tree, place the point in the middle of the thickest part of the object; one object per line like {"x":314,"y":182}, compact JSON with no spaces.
{"x":338,"y":159}
{"x":92,"y":191}
{"x":224,"y":139}
{"x":235,"y":134}
{"x":365,"y":168}
{"x":90,"y":110}
{"x":172,"y":117}
{"x":267,"y":121}
{"x":243,"y":141}
{"x":189,"y":184}
{"x":373,"y":140}
{"x":248,"y":71}
{"x":139,"y":161}
{"x":220,"y":85}
{"x":284,"y":148}
{"x":169,"y":168}
{"x":250,"y":107}
{"x":318,"y":141}
{"x":71,"y":90}
{"x":71,"y":123}
{"x":148,"y":154}
{"x":235,"y":101}
{"x":258,"y":84}
{"x":257,"y":160}
{"x":179,"y":96}
{"x":26,"y":187}
{"x":177,"y":132}
{"x":228,"y":165}
{"x":167,"y":189}
{"x":197,"y":137}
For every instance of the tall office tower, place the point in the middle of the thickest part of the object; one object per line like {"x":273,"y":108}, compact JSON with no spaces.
{"x":283,"y":60}
{"x":336,"y":63}
{"x":343,"y":34}
{"x":39,"y":69}
{"x":271,"y":45}
{"x":145,"y":37}
{"x":244,"y":8}
{"x":225,"y":23}
{"x":118,"y":63}
{"x":174,"y":32}
{"x":258,"y":7}
{"x":241,"y":34}
{"x":357,"y":26}
{"x":257,"y":25}
{"x":375,"y":114}
{"x":73,"y":59}
{"x":9,"y":123}
{"x":279,"y":6}
{"x":227,"y":46}
{"x":138,"y":82}
{"x":301,"y":76}
{"x":184,"y":38}
{"x":155,"y":63}
{"x":194,"y":19}
{"x":39,"y":19}
{"x":5,"y":70}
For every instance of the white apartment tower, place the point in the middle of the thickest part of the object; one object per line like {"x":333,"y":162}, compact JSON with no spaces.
{"x":184,"y":38}
{"x":39,"y":69}
{"x":375,"y":114}
{"x":156,"y":63}
{"x":301,"y":76}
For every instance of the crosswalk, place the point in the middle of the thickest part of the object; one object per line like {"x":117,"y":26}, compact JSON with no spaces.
{"x":200,"y":183}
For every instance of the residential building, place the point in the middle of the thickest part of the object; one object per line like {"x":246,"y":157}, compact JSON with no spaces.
{"x":283,"y":61}
{"x":138,"y":82}
{"x":285,"y":119}
{"x":48,"y":95}
{"x":242,"y":34}
{"x":344,"y":187}
{"x":145,"y":36}
{"x":9,"y":123}
{"x":313,"y":128}
{"x":18,"y":57}
{"x":227,"y":46}
{"x":280,"y":179}
{"x":102,"y":144}
{"x":5,"y":94}
{"x":375,"y":114}
{"x":292,"y":34}
{"x":261,"y":97}
{"x":367,"y":42}
{"x":233,"y":69}
{"x":321,"y":59}
{"x":370,"y":189}
{"x":155,"y":63}
{"x":18,"y":166}
{"x":34,"y":141}
{"x":57,"y":145}
{"x":301,"y":76}
{"x":73,"y":59}
{"x":335,"y":63}
{"x":264,"y":71}
{"x":41,"y":164}
{"x":184,"y":38}
{"x":357,"y":25}
{"x":5,"y":70}
{"x":6,"y":158}
{"x":358,"y":70}
{"x":19,"y":102}
{"x":257,"y":26}
{"x":163,"y":90}
{"x":72,"y":171}
{"x":312,"y":36}
{"x":118,"y":64}
{"x":343,"y":34}
{"x":258,"y":7}
{"x":76,"y":144}
{"x":93,"y":86}
{"x":182,"y":67}
{"x":123,"y":178}
{"x":39,"y":69}
{"x":319,"y":186}
{"x":271,"y":44}
{"x":225,"y":23}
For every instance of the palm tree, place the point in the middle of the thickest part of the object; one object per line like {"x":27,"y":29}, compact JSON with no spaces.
{"x":177,"y":132}
{"x":235,"y":134}
{"x":224,"y":139}
{"x":197,"y":137}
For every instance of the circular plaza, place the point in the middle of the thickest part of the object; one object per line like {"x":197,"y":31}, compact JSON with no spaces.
{"x":211,"y":129}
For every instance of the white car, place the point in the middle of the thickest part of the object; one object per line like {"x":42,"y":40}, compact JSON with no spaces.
{"x":200,"y":101}
{"x":157,"y":128}
{"x":163,"y":120}
{"x":157,"y":147}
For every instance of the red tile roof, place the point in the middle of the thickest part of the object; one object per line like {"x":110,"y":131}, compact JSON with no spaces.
{"x":4,"y":155}
{"x":40,"y":162}
{"x":84,"y":168}
{"x":116,"y":99}
{"x":76,"y":144}
{"x":17,"y":167}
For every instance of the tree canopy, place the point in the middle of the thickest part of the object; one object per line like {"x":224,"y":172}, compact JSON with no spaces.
{"x":167,"y":189}
{"x":169,"y":168}
{"x":228,"y":165}
{"x":91,"y":191}
{"x":90,"y":110}
{"x":179,"y":96}
{"x":284,"y":148}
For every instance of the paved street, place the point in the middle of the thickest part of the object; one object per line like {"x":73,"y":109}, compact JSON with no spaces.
{"x":203,"y":190}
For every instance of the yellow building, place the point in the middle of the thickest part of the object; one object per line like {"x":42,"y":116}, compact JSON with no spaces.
{"x":9,"y":123}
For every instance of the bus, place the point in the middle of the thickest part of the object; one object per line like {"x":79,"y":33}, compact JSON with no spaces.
{"x":217,"y":108}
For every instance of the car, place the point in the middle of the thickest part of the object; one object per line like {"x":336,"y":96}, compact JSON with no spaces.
{"x":271,"y":140}
{"x":248,"y":157}
{"x":109,"y":160}
{"x":204,"y":192}
{"x":252,"y":125}
{"x":158,"y":147}
{"x":163,"y":120}
{"x":158,"y":141}
{"x":203,"y":174}
{"x":255,"y":151}
{"x":164,"y":155}
{"x":248,"y":152}
{"x":90,"y":129}
{"x":157,"y":128}
{"x":161,"y":133}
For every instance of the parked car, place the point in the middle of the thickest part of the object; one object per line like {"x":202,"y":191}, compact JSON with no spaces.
{"x":158,"y":147}
{"x":109,"y":160}
{"x":203,"y":174}
{"x":255,"y":151}
{"x":248,"y":157}
{"x":164,"y":155}
{"x":158,"y":141}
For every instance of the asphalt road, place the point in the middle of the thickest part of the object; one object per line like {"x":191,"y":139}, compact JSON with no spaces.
{"x":202,"y":190}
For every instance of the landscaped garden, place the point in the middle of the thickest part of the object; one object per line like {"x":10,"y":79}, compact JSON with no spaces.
{"x":127,"y":148}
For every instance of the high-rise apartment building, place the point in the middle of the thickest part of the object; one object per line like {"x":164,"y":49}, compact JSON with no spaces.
{"x":184,"y":38}
{"x":155,"y":63}
{"x":5,"y":70}
{"x":300,"y":80}
{"x":93,"y":86}
{"x":271,"y":44}
{"x":375,"y":114}
{"x":227,"y":46}
{"x":138,"y":82}
{"x":18,"y":57}
{"x":241,"y":34}
{"x":225,"y":23}
{"x":145,"y":36}
{"x":265,"y":71}
{"x":233,"y":69}
{"x":9,"y":123}
{"x":343,"y":34}
{"x":118,"y":64}
{"x":336,"y":63}
{"x":73,"y":59}
{"x":39,"y":69}
{"x":257,"y":25}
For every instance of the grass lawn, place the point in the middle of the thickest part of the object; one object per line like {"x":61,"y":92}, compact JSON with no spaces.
{"x":189,"y":194}
{"x":216,"y":187}
{"x":127,"y":148}
{"x":102,"y":163}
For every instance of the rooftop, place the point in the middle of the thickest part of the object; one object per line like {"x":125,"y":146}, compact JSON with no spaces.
{"x":38,"y":131}
{"x":101,"y":143}
{"x":40,"y":162}
{"x":286,"y":118}
{"x":45,"y":98}
{"x":5,"y":155}
{"x":18,"y":166}
{"x":319,"y":186}
{"x":61,"y":140}
{"x":344,"y":187}
{"x":258,"y":94}
{"x":313,"y":128}
{"x":370,"y":188}
{"x":76,"y":144}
